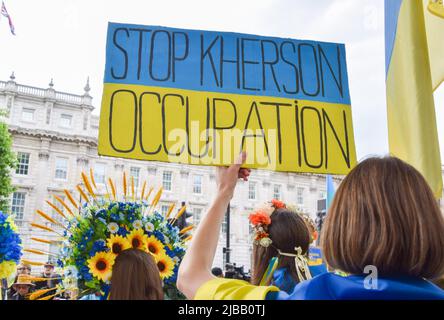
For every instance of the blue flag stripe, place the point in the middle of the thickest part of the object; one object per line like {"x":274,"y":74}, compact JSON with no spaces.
{"x":392,"y":8}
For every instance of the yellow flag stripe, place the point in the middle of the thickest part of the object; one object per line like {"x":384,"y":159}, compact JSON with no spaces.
{"x":413,"y":134}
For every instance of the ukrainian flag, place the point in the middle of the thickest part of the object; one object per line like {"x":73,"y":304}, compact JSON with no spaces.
{"x":330,"y":191}
{"x":414,"y":32}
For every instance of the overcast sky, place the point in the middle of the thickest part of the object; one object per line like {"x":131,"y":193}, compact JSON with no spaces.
{"x":65,"y":40}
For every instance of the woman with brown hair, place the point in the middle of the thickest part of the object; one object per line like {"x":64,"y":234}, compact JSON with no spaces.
{"x":384,"y":228}
{"x":280,"y":247}
{"x":135,"y":277}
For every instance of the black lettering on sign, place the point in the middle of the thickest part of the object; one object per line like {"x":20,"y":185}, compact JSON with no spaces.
{"x":247,"y":62}
{"x":304,"y":74}
{"x":176,"y":56}
{"x":278,"y":123}
{"x":223,"y":60}
{"x":111,"y":110}
{"x":344,"y":150}
{"x":164,"y":133}
{"x":206,"y":53}
{"x":304,"y":144}
{"x":337,"y":78}
{"x":298,"y":132}
{"x":215,"y":117}
{"x":161,"y":56}
{"x":127,"y":112}
{"x":139,"y":58}
{"x":256,"y":110}
{"x":207,"y":141}
{"x":293,"y":66}
{"x":125,"y":54}
{"x":141,"y":106}
{"x":271,"y":63}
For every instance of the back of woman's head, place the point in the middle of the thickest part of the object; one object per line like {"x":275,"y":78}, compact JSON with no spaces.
{"x":135,"y":277}
{"x":384,"y":214}
{"x":287,"y":231}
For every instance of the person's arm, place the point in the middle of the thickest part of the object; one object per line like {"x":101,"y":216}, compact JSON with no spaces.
{"x":195,"y":268}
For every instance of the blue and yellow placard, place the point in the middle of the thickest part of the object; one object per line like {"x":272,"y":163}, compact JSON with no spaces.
{"x":200,"y":97}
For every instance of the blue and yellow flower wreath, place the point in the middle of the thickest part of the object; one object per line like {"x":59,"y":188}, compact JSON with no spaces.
{"x":96,"y":231}
{"x":10,"y":246}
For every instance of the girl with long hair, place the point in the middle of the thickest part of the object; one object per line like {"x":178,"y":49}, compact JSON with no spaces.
{"x":280,"y":248}
{"x":135,"y":277}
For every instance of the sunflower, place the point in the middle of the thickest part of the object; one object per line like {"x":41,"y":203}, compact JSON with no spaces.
{"x":101,"y":265}
{"x":165,"y":265}
{"x":117,"y":244}
{"x":137,"y":239}
{"x":155,"y":247}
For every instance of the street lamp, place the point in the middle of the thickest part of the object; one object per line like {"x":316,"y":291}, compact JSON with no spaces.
{"x":227,"y":248}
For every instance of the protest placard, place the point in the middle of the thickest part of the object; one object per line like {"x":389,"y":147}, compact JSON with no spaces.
{"x":199,"y":97}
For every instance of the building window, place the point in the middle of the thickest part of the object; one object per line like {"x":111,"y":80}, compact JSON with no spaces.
{"x":28,"y":114}
{"x":252,"y":190}
{"x":66,"y":120}
{"x":99,"y":173}
{"x":197,"y":215}
{"x":277,"y":194}
{"x":197,"y":184}
{"x":300,"y":196}
{"x":23,"y":163}
{"x":166,"y":180}
{"x":18,"y":206}
{"x":61,"y":172}
{"x":135,"y":173}
{"x":164,"y":209}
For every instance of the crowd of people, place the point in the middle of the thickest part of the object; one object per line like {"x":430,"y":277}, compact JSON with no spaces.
{"x":25,"y":283}
{"x":383,"y":239}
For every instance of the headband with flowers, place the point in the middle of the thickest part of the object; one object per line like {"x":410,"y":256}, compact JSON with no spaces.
{"x":261,"y":219}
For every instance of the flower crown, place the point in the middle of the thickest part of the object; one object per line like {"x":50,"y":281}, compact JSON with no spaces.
{"x":311,"y":226}
{"x":96,"y":232}
{"x":261,"y":219}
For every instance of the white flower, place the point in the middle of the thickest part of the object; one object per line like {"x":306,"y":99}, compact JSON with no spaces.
{"x":167,"y":240}
{"x":113,"y":227}
{"x":265,"y":242}
{"x":266,"y":208}
{"x":137,"y":224}
{"x":149,"y":227}
{"x":176,"y":260}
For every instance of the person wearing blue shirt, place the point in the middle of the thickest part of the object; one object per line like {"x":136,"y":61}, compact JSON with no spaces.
{"x":280,"y":247}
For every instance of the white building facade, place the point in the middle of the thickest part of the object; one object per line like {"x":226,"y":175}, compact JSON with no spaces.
{"x":55,"y":137}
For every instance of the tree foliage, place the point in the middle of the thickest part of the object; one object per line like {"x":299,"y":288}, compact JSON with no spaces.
{"x":8,"y":161}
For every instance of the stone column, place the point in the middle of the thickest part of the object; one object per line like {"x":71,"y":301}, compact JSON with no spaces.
{"x":11,"y":93}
